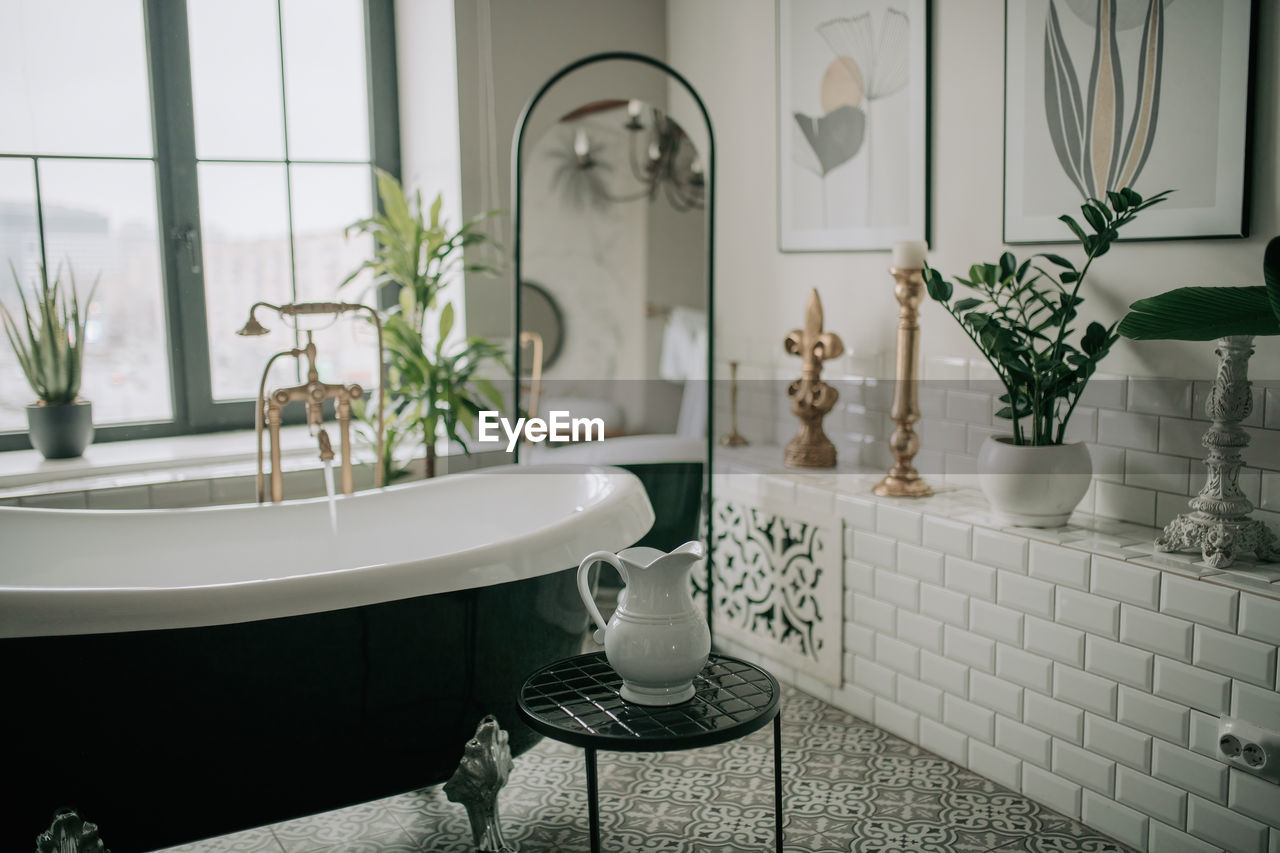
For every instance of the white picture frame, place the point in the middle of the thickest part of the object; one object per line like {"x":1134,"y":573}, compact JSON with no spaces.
{"x":853,"y":135}
{"x":1178,"y":115}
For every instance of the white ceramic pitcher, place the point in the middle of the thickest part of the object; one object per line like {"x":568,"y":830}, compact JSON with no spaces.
{"x":657,"y":639}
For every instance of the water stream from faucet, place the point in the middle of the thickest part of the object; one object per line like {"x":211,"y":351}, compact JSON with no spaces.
{"x":333,"y":502}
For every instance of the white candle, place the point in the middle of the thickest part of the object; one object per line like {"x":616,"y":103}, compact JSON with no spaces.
{"x":910,"y":254}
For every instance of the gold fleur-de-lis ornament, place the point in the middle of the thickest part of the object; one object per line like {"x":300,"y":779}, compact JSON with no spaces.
{"x":811,"y":398}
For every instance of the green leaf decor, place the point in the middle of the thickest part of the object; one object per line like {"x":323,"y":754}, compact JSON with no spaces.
{"x":47,"y":336}
{"x":1022,"y":316}
{"x":1209,"y":313}
{"x":433,"y":389}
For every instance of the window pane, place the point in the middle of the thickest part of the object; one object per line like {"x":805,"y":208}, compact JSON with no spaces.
{"x":326,"y":199}
{"x":245,"y":228}
{"x":100,"y":222}
{"x":325,"y":79}
{"x":235,"y":78}
{"x":20,"y":246}
{"x":73,"y":78}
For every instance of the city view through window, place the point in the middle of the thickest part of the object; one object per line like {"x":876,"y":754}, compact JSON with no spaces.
{"x":281,"y":156}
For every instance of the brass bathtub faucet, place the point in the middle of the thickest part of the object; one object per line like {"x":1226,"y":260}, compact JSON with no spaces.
{"x":268,"y":409}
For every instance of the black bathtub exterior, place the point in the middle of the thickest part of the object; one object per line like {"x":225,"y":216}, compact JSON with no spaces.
{"x":165,"y":737}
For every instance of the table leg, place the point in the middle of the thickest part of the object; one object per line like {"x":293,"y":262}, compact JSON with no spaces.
{"x":777,"y":781}
{"x":593,"y":800}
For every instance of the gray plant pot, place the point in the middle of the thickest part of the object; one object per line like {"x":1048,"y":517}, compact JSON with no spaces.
{"x":61,"y":431}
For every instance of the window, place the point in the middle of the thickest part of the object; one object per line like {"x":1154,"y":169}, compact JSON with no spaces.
{"x":194,"y":157}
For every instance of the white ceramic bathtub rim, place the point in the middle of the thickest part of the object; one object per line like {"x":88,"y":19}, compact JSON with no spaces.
{"x":97,"y":571}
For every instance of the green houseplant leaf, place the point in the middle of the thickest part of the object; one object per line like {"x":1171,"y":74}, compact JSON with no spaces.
{"x":1271,"y":274}
{"x":49,"y":341}
{"x":1201,"y":314}
{"x":431,"y":390}
{"x":1209,"y":313}
{"x":1023,"y":324}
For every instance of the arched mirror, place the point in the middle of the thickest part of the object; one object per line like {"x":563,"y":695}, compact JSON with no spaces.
{"x":613,"y":176}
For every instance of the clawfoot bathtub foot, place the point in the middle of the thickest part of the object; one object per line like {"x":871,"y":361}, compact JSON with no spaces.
{"x":69,"y":834}
{"x":485,"y":765}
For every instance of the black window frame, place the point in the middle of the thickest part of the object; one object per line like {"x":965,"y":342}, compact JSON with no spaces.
{"x":178,"y":212}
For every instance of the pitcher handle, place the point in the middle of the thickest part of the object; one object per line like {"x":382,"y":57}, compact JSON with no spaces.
{"x":584,"y":589}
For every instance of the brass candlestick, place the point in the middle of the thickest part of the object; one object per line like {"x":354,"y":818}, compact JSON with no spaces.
{"x":811,"y":398}
{"x":733,"y":438}
{"x":903,"y":480}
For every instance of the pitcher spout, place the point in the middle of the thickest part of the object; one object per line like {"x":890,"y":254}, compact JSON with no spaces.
{"x":645,"y":558}
{"x":685,"y":556}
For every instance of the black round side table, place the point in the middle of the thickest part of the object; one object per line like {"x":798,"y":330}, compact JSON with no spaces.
{"x":577,"y":701}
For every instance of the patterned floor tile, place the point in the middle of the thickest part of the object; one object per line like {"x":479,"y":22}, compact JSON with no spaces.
{"x":396,"y":841}
{"x":258,"y":840}
{"x":343,"y":826}
{"x":849,"y":788}
{"x":1063,"y":835}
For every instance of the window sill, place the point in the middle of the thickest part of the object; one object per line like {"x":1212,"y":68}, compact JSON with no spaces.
{"x":194,"y":465}
{"x":24,"y":472}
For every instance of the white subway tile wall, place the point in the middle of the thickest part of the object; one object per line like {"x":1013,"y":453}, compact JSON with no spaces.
{"x":1144,"y":434}
{"x":1073,"y":665}
{"x":1226,"y":828}
{"x":1052,"y":790}
{"x":1120,"y":822}
{"x":1079,"y":765}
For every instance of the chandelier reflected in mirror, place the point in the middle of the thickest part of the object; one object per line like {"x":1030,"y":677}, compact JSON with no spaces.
{"x":662,"y":159}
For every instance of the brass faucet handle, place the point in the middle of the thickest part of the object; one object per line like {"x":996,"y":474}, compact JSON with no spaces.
{"x":326,"y":447}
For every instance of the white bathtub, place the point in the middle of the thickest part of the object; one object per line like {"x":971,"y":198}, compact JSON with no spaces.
{"x":98,"y":571}
{"x":179,"y":647}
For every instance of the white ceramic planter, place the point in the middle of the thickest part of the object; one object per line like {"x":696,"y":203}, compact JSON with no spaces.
{"x":1033,"y":486}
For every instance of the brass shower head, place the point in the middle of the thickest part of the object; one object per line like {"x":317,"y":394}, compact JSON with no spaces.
{"x":252,"y":328}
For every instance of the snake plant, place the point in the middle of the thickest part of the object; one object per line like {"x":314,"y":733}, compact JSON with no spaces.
{"x":49,"y":340}
{"x":1209,"y":313}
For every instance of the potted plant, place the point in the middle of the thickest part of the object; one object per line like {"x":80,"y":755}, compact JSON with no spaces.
{"x":1021,"y":317}
{"x":49,"y":342}
{"x":433,"y":388}
{"x":1218,"y":525}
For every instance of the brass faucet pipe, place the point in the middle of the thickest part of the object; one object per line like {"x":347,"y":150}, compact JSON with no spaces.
{"x":259,"y":414}
{"x":277,"y":475}
{"x":295,"y":309}
{"x":344,"y":436}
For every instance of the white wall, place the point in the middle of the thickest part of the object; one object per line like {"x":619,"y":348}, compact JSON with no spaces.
{"x":727,"y":49}
{"x":427,"y":75}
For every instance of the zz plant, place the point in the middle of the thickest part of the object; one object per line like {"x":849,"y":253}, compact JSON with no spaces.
{"x":49,"y":340}
{"x":1021,"y":317}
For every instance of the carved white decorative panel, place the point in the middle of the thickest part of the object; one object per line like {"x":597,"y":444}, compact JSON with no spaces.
{"x":778,"y":583}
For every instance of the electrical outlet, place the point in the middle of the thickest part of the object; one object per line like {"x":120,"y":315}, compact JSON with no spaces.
{"x":1254,"y":750}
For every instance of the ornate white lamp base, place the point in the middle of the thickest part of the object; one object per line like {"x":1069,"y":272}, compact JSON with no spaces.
{"x":1219,"y":526}
{"x":1219,"y":541}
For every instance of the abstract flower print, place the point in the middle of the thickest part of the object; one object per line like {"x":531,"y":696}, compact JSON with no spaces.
{"x":1099,"y":144}
{"x":866,"y":67}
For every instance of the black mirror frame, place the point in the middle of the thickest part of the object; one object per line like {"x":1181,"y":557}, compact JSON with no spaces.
{"x":517,"y":196}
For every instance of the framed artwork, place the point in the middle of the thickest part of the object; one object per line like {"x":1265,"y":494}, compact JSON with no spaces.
{"x":853,"y":136}
{"x":1150,"y":94}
